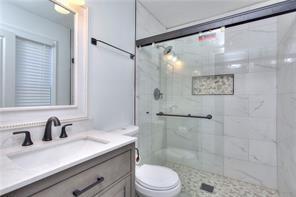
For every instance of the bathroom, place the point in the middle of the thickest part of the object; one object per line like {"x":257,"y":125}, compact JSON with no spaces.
{"x":148,"y":98}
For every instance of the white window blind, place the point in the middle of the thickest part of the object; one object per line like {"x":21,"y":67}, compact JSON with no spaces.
{"x":34,"y":68}
{"x":1,"y":71}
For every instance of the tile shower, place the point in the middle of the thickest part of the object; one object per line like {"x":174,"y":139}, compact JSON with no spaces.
{"x":250,"y":144}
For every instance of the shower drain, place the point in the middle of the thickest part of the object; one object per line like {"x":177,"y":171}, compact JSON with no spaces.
{"x":206,"y":187}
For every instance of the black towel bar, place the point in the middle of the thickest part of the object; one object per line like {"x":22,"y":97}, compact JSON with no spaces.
{"x":95,"y":42}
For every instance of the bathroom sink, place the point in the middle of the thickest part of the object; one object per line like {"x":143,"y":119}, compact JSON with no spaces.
{"x":57,"y":155}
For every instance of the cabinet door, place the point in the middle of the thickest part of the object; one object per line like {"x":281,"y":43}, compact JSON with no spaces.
{"x":121,"y":189}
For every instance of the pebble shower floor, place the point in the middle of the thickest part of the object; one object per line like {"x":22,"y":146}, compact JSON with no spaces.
{"x":224,"y":186}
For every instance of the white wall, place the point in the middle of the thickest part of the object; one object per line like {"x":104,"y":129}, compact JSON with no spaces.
{"x":111,"y":72}
{"x":22,"y":20}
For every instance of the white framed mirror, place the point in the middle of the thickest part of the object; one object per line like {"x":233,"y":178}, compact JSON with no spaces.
{"x":43,"y":62}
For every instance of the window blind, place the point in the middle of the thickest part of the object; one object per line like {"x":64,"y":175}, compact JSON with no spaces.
{"x":34,"y":68}
{"x":1,"y":71}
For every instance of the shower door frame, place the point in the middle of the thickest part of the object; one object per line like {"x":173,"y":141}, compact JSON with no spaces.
{"x":272,"y":10}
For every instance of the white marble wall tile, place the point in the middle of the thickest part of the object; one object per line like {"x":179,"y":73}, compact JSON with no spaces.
{"x":286,"y":75}
{"x":182,"y":156}
{"x":286,"y":106}
{"x":241,"y":84}
{"x":236,"y":105}
{"x":236,"y":39}
{"x":263,"y":60}
{"x":261,"y":83}
{"x":262,"y":129}
{"x":251,"y":172}
{"x":239,"y":65}
{"x":263,"y":152}
{"x":236,"y":126}
{"x":236,"y":148}
{"x":215,"y":126}
{"x":212,"y":144}
{"x":250,"y":128}
{"x":212,"y":162}
{"x":183,"y":138}
{"x":263,"y":106}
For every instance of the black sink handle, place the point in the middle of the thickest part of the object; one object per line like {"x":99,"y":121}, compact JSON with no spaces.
{"x":28,"y":140}
{"x":78,"y":192}
{"x":63,"y":132}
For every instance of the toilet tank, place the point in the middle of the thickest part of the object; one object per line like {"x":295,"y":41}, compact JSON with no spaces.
{"x":130,"y":130}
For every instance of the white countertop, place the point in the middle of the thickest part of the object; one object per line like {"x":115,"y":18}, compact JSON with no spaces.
{"x":13,"y":176}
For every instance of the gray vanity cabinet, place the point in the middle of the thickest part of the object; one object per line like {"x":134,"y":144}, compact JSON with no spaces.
{"x":110,"y":175}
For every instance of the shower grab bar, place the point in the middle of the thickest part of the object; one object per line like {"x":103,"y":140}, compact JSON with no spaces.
{"x":209,"y":116}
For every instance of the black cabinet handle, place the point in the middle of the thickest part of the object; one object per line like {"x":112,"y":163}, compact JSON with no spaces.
{"x":78,"y":192}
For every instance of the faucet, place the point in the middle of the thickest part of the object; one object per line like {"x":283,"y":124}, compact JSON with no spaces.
{"x":47,"y":133}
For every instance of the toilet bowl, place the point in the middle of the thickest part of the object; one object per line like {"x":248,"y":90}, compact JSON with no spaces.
{"x":153,"y":180}
{"x":157,"y":181}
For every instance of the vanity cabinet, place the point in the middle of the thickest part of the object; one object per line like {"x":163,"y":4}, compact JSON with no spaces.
{"x":121,"y":189}
{"x":109,"y":175}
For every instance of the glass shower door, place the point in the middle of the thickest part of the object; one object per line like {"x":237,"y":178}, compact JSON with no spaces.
{"x":192,"y":143}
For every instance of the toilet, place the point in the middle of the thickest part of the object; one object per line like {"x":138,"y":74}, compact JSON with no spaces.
{"x":157,"y":181}
{"x":153,"y":180}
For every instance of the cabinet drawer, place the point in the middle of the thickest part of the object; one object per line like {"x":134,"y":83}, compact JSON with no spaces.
{"x":87,"y":181}
{"x":120,"y":189}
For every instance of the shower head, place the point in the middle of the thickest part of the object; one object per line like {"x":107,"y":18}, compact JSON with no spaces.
{"x":166,"y":50}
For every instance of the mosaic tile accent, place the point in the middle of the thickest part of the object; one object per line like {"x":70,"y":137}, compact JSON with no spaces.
{"x":224,"y":186}
{"x":213,"y":85}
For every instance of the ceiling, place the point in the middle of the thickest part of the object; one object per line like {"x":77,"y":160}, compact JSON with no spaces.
{"x":44,"y":9}
{"x":172,"y":13}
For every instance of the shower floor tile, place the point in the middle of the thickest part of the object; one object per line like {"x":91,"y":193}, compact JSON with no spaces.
{"x":224,"y":186}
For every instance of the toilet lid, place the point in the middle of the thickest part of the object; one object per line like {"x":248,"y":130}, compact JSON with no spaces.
{"x":156,"y":177}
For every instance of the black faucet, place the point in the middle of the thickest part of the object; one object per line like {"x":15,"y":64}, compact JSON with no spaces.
{"x":47,"y":133}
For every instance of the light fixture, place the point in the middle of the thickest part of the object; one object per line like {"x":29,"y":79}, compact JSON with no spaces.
{"x":60,"y":9}
{"x":78,"y":2}
{"x":178,"y":65}
{"x":169,"y":56}
{"x":288,"y":60}
{"x":234,"y":66}
{"x":174,"y":59}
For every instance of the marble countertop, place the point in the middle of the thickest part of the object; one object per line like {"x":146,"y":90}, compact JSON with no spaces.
{"x":14,"y":176}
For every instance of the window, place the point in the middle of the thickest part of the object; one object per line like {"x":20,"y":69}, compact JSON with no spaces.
{"x":34,"y":80}
{"x":1,"y":70}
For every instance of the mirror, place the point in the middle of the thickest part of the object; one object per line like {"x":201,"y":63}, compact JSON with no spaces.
{"x":36,"y":54}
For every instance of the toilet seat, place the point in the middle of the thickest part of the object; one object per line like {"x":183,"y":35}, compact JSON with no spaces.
{"x":154,"y":181}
